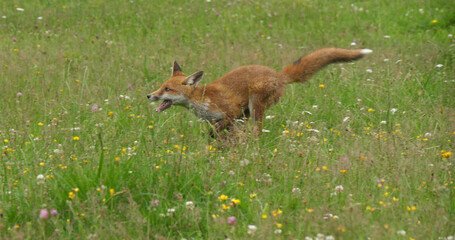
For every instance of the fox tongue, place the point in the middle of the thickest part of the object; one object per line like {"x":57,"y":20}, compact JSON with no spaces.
{"x":163,"y":106}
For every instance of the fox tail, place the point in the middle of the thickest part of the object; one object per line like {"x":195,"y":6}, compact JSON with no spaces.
{"x":306,"y":66}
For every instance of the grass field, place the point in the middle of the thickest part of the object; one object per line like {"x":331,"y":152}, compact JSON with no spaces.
{"x":361,"y":151}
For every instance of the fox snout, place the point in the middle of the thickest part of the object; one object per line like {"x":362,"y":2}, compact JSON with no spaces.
{"x":153,"y":97}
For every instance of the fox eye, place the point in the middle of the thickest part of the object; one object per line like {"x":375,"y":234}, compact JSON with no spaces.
{"x":167,"y":89}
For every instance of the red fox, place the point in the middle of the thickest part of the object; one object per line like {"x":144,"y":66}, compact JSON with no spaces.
{"x":245,"y":91}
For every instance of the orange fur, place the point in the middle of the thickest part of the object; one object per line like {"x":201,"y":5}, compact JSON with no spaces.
{"x":245,"y":91}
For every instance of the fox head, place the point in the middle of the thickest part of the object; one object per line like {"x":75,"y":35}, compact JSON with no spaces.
{"x":177,"y":89}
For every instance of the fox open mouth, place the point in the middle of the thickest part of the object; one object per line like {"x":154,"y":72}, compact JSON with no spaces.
{"x":164,"y":105}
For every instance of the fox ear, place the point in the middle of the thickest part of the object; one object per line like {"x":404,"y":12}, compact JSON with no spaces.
{"x":177,"y":70}
{"x":193,"y":79}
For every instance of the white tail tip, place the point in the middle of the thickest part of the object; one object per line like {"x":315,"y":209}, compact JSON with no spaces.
{"x":366,"y":51}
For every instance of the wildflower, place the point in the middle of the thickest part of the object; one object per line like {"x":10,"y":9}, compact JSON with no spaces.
{"x":339,"y":189}
{"x":71,"y":195}
{"x":225,"y":207}
{"x":111,"y":191}
{"x":44,"y":214}
{"x":40,"y":179}
{"x":439,"y":66}
{"x":324,"y":168}
{"x":53,"y":212}
{"x":232,"y":220}
{"x":40,"y":124}
{"x":95,"y":108}
{"x":343,"y":171}
{"x":154,"y":203}
{"x":110,"y":113}
{"x":371,"y":110}
{"x":252,"y":229}
{"x":223,"y":197}
{"x":434,"y":21}
{"x":235,"y":202}
{"x":20,"y":9}
{"x":76,"y":138}
{"x":447,"y":154}
{"x":264,"y":216}
{"x":296,"y":190}
{"x":321,"y":85}
{"x":16,"y":50}
{"x":170,"y":211}
{"x":277,"y":231}
{"x":231,"y":172}
{"x":189,"y":205}
{"x":369,"y":71}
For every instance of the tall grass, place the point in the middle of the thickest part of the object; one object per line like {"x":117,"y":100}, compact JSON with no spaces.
{"x":363,"y":150}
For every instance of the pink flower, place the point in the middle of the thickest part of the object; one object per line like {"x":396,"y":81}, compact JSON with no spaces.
{"x":95,"y":108}
{"x":231,"y":172}
{"x":43,"y":214}
{"x":14,"y":39}
{"x":223,"y":183}
{"x":232,"y":220}
{"x":54,"y":212}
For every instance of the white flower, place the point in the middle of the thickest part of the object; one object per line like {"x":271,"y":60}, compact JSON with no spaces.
{"x":369,"y":71}
{"x":269,"y":117}
{"x":387,"y":36}
{"x":421,"y":11}
{"x":353,"y":44}
{"x":20,"y":9}
{"x":3,"y":17}
{"x":346,"y":119}
{"x":330,"y":237}
{"x":386,"y":59}
{"x":401,"y":232}
{"x":277,"y":231}
{"x":315,"y":107}
{"x":265,"y":131}
{"x":252,"y":229}
{"x":244,"y":162}
{"x":189,"y":205}
{"x":40,"y":179}
{"x":313,"y":130}
{"x":439,"y":66}
{"x":320,"y":236}
{"x":393,"y":110}
{"x":307,"y":112}
{"x":383,"y":122}
{"x":40,"y":18}
{"x":450,"y":36}
{"x":296,"y":190}
{"x":308,"y":238}
{"x":339,"y":188}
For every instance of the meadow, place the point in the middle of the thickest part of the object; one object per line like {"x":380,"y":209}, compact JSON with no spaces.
{"x":362,"y":150}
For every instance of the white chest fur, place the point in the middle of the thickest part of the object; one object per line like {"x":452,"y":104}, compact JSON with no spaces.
{"x":201,"y":110}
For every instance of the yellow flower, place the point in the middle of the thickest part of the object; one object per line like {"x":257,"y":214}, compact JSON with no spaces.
{"x":343,"y":171}
{"x":110,"y":113}
{"x":16,"y":50}
{"x":279,"y":225}
{"x":223,"y":197}
{"x":5,"y":140}
{"x":225,"y":207}
{"x":76,"y":138}
{"x":434,"y":21}
{"x":324,"y":168}
{"x":321,"y":85}
{"x":264,"y":216}
{"x":370,"y":110}
{"x":111,"y":191}
{"x":40,"y":124}
{"x":446,"y":154}
{"x":71,"y":195}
